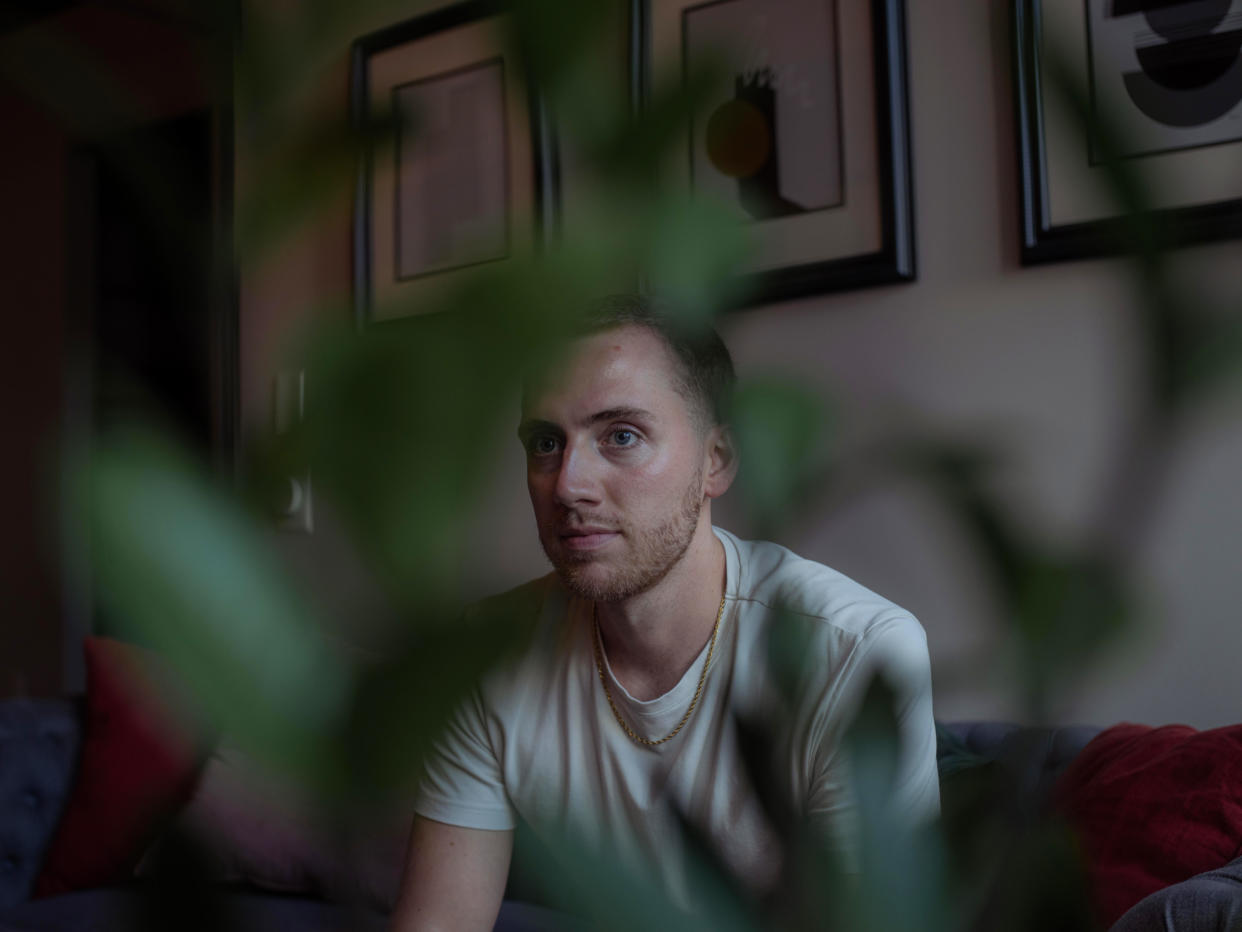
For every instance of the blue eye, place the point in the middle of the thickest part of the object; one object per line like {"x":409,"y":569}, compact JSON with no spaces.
{"x":622,"y":438}
{"x":542,"y":446}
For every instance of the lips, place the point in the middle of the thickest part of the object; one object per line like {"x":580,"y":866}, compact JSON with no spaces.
{"x":587,"y":538}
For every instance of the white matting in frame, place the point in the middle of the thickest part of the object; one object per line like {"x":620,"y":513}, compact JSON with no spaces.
{"x":455,"y":194}
{"x":451,"y":167}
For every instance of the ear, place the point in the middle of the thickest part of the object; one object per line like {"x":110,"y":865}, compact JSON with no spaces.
{"x":720,"y":461}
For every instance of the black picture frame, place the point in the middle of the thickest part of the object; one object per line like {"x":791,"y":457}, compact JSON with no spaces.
{"x":1044,"y":240}
{"x":543,"y":177}
{"x":894,"y":261}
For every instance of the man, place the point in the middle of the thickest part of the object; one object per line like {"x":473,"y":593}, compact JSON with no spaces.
{"x":650,"y":642}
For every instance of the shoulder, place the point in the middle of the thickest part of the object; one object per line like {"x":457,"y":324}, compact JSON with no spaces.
{"x":776,"y":581}
{"x":831,"y":635}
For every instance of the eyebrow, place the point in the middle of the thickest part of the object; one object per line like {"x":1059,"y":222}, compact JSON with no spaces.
{"x":620,"y":414}
{"x":532,"y":426}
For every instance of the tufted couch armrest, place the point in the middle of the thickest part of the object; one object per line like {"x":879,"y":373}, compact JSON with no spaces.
{"x":39,"y":740}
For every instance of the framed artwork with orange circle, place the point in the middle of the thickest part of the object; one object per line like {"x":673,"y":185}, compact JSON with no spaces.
{"x":803,"y":137}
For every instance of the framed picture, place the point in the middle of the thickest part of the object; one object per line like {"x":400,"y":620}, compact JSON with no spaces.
{"x":453,"y":179}
{"x":805,"y":138}
{"x":1119,"y":89}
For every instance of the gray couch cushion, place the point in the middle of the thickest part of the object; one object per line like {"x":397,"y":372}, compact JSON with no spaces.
{"x":1208,"y":902}
{"x":1034,"y":756}
{"x":38,"y":748}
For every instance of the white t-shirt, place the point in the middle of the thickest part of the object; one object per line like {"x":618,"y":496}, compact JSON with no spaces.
{"x":538,"y":741}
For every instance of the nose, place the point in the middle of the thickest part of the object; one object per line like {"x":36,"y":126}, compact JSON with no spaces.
{"x":577,"y":478}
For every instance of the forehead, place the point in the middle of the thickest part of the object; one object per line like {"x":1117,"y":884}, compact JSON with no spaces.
{"x":619,"y":367}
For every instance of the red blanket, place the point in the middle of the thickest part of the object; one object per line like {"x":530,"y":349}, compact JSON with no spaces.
{"x":1153,"y":807}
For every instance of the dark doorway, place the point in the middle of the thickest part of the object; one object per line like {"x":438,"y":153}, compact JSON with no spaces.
{"x":151,"y":320}
{"x":153,"y":336}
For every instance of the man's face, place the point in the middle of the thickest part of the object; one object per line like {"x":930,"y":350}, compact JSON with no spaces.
{"x":614,"y":464}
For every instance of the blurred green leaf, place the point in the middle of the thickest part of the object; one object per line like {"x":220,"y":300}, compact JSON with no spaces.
{"x":1066,"y":612}
{"x":1215,"y":361}
{"x":692,"y":256}
{"x":284,"y":51}
{"x":401,"y":426}
{"x":1173,"y":327}
{"x":68,"y":81}
{"x":789,"y":657}
{"x":902,"y":881}
{"x":960,"y":472}
{"x":1037,"y":882}
{"x":779,"y":429}
{"x":402,"y":704}
{"x":577,"y":877}
{"x":183,"y":570}
{"x":633,"y":157}
{"x":294,"y":180}
{"x":553,"y":38}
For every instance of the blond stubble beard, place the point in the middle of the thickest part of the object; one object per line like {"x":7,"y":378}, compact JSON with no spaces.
{"x":656,"y":552}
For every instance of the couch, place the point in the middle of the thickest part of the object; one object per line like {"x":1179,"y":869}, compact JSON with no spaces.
{"x":41,"y":747}
{"x":311,"y":889}
{"x":1153,"y":814}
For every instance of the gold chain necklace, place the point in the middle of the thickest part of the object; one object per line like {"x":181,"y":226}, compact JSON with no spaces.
{"x":698,"y":690}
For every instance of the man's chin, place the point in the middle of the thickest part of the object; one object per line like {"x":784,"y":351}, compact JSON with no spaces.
{"x":598,"y":583}
{"x":588,"y":580}
{"x":577,"y":574}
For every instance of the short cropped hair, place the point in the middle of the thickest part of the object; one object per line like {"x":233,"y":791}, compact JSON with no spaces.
{"x":705,"y":376}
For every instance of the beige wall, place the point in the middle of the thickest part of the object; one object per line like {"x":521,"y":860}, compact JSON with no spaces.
{"x":1045,"y":357}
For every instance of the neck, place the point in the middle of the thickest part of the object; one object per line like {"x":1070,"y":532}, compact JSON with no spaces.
{"x":652,"y":638}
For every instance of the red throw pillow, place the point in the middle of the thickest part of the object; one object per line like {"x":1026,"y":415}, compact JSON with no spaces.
{"x":138,"y":764}
{"x":1153,"y":807}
